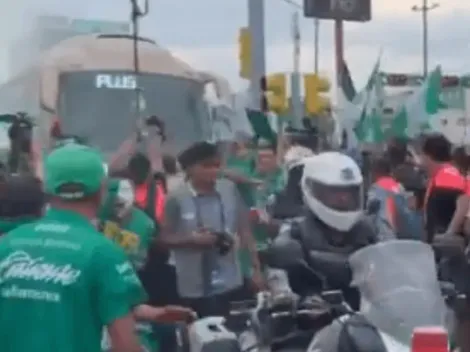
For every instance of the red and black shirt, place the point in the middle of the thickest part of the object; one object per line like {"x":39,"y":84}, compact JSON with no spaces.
{"x":445,"y":186}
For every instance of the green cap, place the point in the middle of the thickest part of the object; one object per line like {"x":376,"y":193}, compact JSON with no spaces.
{"x":74,"y":171}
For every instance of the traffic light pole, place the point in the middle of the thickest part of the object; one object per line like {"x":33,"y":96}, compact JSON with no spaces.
{"x":258,"y":59}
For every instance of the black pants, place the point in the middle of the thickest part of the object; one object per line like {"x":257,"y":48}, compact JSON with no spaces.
{"x":159,"y":280}
{"x":218,"y":305}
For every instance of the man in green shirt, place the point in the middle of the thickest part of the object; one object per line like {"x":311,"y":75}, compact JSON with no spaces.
{"x":239,"y":168}
{"x":268,"y":172}
{"x":133,"y":230}
{"x":63,"y":278}
{"x":126,"y":224}
{"x":272,"y":178}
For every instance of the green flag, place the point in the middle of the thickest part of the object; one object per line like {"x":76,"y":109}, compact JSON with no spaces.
{"x":420,"y":107}
{"x":261,"y":126}
{"x":369,"y":126}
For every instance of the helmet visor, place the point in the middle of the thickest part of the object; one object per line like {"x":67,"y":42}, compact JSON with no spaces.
{"x":337,"y":197}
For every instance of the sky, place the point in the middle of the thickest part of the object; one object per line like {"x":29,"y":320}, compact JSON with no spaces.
{"x":204,"y":34}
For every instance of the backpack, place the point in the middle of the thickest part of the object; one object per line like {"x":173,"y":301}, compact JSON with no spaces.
{"x":408,"y":222}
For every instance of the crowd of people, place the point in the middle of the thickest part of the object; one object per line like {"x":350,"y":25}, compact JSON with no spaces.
{"x":96,"y":248}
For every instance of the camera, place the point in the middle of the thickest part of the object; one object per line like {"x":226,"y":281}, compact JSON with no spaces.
{"x":155,"y":121}
{"x":224,"y":242}
{"x":20,"y":134}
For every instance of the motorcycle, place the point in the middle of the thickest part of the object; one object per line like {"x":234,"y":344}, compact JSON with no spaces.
{"x":400,"y":293}
{"x":269,"y":324}
{"x":273,"y":322}
{"x":310,"y":272}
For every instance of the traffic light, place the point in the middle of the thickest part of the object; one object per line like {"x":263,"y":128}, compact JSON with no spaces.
{"x":244,"y":52}
{"x":274,"y":88}
{"x":315,"y":104}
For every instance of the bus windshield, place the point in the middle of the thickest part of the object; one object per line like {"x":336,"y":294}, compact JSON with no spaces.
{"x":101,"y":108}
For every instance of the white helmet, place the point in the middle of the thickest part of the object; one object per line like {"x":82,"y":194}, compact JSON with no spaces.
{"x":332,"y":187}
{"x":295,"y":156}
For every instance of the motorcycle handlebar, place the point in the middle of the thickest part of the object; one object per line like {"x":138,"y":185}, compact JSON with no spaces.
{"x":275,"y":308}
{"x":274,"y":315}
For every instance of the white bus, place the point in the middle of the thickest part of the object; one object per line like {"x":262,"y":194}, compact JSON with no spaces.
{"x":87,"y":84}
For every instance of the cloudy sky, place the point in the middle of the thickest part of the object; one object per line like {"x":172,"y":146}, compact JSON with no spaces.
{"x":204,"y":33}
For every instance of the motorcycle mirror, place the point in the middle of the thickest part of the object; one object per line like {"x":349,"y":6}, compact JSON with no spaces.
{"x":284,"y":253}
{"x":373,"y":207}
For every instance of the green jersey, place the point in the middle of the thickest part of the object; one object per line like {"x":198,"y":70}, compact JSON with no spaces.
{"x":8,"y":225}
{"x":244,"y":166}
{"x":134,"y":235}
{"x":273,"y":183}
{"x":66,"y":281}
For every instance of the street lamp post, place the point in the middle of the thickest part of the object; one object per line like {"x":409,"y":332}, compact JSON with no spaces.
{"x":316,"y":23}
{"x":424,"y":9}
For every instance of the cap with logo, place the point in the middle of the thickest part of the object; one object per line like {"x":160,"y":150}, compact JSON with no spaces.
{"x":74,"y":172}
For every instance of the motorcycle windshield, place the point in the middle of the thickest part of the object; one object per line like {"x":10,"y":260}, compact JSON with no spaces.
{"x":399,"y":287}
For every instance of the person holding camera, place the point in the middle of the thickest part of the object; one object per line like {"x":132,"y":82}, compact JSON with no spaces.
{"x":204,"y":221}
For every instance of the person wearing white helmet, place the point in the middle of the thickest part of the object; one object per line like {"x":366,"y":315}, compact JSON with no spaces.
{"x":332,"y":222}
{"x":332,"y":187}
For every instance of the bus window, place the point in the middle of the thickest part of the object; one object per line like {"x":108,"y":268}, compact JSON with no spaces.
{"x":100,"y":106}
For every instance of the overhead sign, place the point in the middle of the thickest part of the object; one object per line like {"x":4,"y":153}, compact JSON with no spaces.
{"x":406,"y":80}
{"x":111,"y":81}
{"x":347,"y":10}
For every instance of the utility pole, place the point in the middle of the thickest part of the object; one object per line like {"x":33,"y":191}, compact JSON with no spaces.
{"x":339,"y":49}
{"x":258,"y":59}
{"x":136,"y":14}
{"x":316,"y":23}
{"x":424,"y":9}
{"x":296,"y":99}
